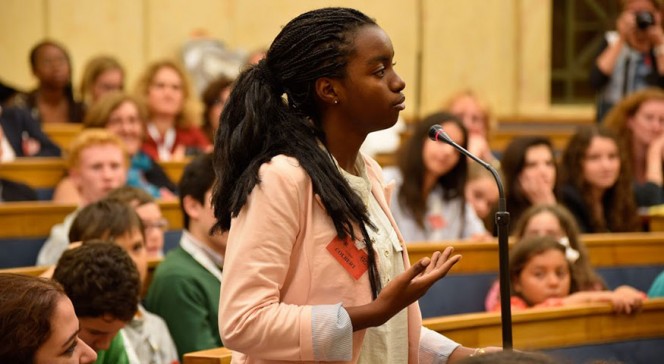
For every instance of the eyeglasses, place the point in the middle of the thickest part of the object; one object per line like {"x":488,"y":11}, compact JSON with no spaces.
{"x":161,"y":224}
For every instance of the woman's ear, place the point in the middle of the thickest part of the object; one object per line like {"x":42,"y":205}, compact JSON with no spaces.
{"x":327,"y":90}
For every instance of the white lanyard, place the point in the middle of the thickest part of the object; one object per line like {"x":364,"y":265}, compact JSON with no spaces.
{"x":165,"y":144}
{"x":199,"y":255}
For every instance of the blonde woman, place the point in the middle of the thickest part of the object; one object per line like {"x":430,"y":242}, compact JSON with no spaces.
{"x":172,"y":128}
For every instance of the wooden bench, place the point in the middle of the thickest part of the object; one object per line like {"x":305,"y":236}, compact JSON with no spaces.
{"x":571,"y":327}
{"x":633,"y":259}
{"x":604,"y":250}
{"x":45,"y":172}
{"x":36,"y":271}
{"x":24,"y":226}
{"x":62,"y":134}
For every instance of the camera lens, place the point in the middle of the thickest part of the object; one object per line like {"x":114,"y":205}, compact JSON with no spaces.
{"x":644,"y":19}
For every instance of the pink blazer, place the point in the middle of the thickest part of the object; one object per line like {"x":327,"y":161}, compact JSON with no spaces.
{"x":277,"y":267}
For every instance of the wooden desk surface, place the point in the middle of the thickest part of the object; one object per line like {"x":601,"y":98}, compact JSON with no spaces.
{"x":533,"y":329}
{"x":548,"y":328}
{"x":35,"y":219}
{"x":46,"y":172}
{"x":605,"y":250}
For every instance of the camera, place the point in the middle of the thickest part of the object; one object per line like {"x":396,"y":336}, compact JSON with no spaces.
{"x":644,"y":19}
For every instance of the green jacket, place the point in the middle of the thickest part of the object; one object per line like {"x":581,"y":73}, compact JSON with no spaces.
{"x":186,"y":296}
{"x":115,"y":354}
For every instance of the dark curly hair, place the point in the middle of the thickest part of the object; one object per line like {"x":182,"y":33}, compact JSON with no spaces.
{"x":26,"y":306}
{"x":100,"y":279}
{"x":257,"y":124}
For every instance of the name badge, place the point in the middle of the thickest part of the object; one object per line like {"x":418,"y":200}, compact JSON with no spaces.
{"x":352,"y":259}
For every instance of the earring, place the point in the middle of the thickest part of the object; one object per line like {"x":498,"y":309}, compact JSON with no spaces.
{"x":336,"y":101}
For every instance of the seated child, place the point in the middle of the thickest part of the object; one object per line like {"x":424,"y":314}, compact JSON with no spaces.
{"x":154,"y":223}
{"x":542,"y":275}
{"x":146,"y":336}
{"x":558,"y":222}
{"x":103,"y":284}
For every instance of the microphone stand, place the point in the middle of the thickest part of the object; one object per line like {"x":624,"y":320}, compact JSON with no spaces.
{"x":502,"y":219}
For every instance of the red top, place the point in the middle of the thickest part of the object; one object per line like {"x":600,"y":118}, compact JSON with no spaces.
{"x":192,"y":138}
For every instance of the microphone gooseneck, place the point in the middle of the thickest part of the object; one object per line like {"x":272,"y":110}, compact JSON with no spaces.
{"x":437,"y":133}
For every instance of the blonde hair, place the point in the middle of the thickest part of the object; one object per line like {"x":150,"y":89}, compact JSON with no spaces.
{"x":617,"y":118}
{"x":93,"y":69}
{"x":92,"y":137}
{"x":99,"y":113}
{"x":490,"y":123}
{"x":185,"y":118}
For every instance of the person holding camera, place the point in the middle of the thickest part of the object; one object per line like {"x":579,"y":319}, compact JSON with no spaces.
{"x":632,"y":57}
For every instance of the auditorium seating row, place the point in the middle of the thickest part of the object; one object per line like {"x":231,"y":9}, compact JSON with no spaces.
{"x":620,"y":258}
{"x":575,"y":334}
{"x":44,"y":173}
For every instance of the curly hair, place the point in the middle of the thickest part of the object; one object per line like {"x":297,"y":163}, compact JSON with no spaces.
{"x":617,"y":119}
{"x":186,"y":118}
{"x":27,"y":305}
{"x":100,"y":279}
{"x":273,"y":110}
{"x":587,"y":277}
{"x":618,"y":211}
{"x":411,"y":164}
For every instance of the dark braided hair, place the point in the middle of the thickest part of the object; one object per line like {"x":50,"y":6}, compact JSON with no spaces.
{"x":258,"y":123}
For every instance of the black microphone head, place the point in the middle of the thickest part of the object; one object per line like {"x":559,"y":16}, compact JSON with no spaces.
{"x":436,"y":133}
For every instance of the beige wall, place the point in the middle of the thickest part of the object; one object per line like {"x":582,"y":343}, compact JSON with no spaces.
{"x":501,"y":48}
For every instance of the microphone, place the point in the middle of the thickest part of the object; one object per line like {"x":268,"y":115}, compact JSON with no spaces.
{"x":502,"y":218}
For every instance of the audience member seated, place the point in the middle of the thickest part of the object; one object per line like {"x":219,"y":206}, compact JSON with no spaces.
{"x":555,"y":221}
{"x":103,"y":284}
{"x":657,"y":288}
{"x":477,"y":119}
{"x":124,"y":116}
{"x":214,"y":99}
{"x":428,"y":203}
{"x":185,"y":287}
{"x":596,"y":185}
{"x":172,"y":129}
{"x":38,"y":324}
{"x":53,"y":99}
{"x":146,"y":336}
{"x":97,"y":164}
{"x":631,"y":58}
{"x":482,"y":192}
{"x":638,"y":121}
{"x":22,"y":136}
{"x":530,"y":172}
{"x":14,"y":191}
{"x":541,"y":275}
{"x":154,"y":223}
{"x":101,"y":76}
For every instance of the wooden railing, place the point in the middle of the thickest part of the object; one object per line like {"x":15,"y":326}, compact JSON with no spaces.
{"x":534,"y":329}
{"x":46,"y":172}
